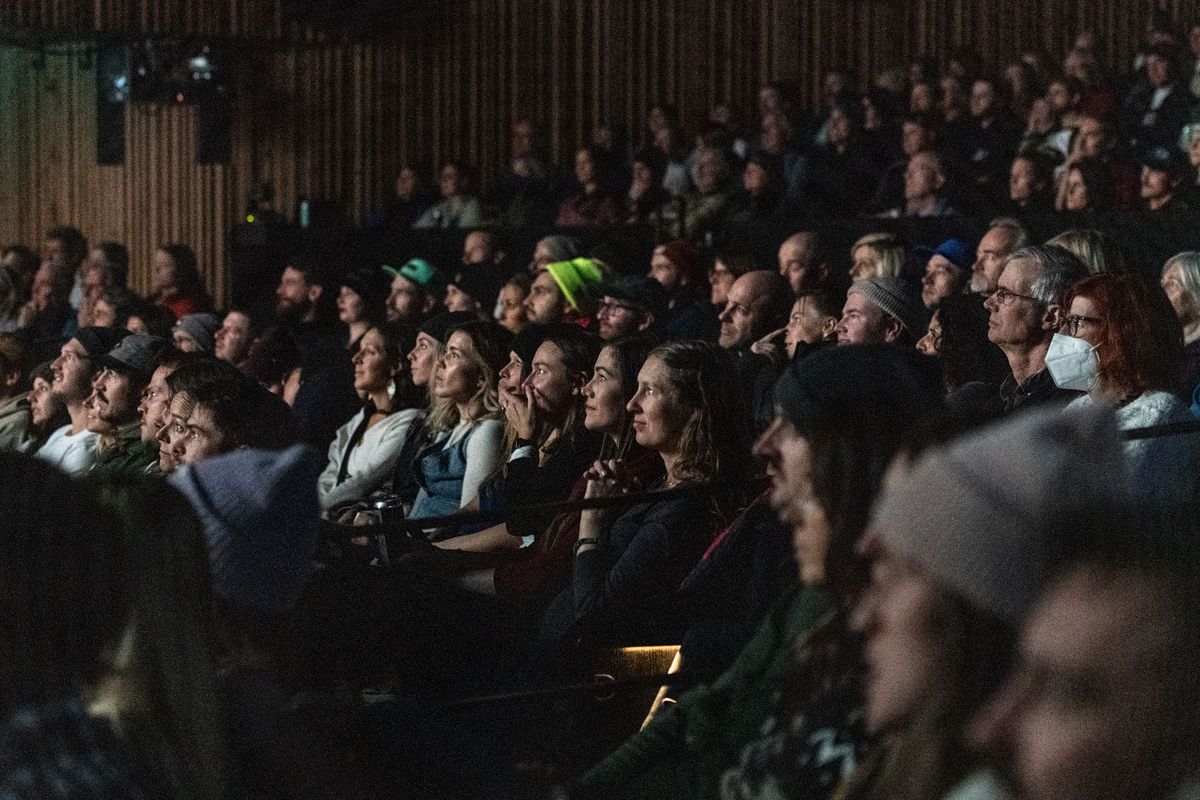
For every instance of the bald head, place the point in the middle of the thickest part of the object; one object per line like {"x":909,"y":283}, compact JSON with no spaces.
{"x":758,"y":303}
{"x":802,"y":262}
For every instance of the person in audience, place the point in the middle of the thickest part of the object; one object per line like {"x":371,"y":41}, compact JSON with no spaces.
{"x":946,"y":272}
{"x":757,"y":307}
{"x":66,"y":604}
{"x":1026,"y":311}
{"x":876,"y":255}
{"x":841,"y":415}
{"x":1181,"y":284}
{"x":16,"y":422}
{"x":510,"y":305}
{"x":233,"y":339}
{"x":155,"y":405}
{"x":924,"y":185}
{"x":1156,"y":110}
{"x":1096,"y":142}
{"x":917,"y":134}
{"x":524,"y":191}
{"x":843,"y":177}
{"x":811,"y":323}
{"x":149,"y":319}
{"x":994,"y":133}
{"x":483,"y":249}
{"x":940,"y":635}
{"x":759,"y":200}
{"x":196,"y":333}
{"x":1003,"y":236}
{"x":466,"y":426}
{"x":125,"y":372}
{"x":593,"y":206}
{"x":882,"y":311}
{"x":72,"y":448}
{"x":679,"y":267}
{"x":728,"y":265}
{"x":115,"y":306}
{"x":360,"y":304}
{"x":175,"y":281}
{"x":1163,"y":186}
{"x":364,"y":451}
{"x":706,"y":205}
{"x":630,"y":305}
{"x":566,"y":291}
{"x":215,"y":410}
{"x":1120,"y":615}
{"x":406,"y":201}
{"x":66,"y":248}
{"x":627,"y":564}
{"x":273,"y":362}
{"x":647,"y":197}
{"x":416,"y":291}
{"x":1086,"y":188}
{"x":457,"y":209}
{"x":107,"y":265}
{"x":48,"y":316}
{"x":47,"y":412}
{"x":1096,"y":249}
{"x":803,"y":261}
{"x":1126,"y":352}
{"x":475,"y":290}
{"x":971,"y":364}
{"x":1031,"y":184}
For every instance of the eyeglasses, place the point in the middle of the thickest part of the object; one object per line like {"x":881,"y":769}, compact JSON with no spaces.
{"x":1070,"y":324}
{"x":1004,"y":297}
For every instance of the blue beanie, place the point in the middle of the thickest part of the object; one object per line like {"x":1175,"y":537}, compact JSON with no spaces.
{"x":259,"y":511}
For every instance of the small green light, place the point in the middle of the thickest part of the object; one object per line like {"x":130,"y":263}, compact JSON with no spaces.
{"x":249,"y":218}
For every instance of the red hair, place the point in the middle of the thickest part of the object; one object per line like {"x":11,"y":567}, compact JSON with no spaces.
{"x":1141,"y":342}
{"x":687,"y":259}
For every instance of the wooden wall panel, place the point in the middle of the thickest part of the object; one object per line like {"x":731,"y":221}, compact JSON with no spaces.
{"x":319,"y":116}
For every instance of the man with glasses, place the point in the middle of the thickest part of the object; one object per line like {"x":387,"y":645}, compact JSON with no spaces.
{"x":629,"y":305}
{"x":72,"y":448}
{"x":1025,"y":313}
{"x":115,"y":406}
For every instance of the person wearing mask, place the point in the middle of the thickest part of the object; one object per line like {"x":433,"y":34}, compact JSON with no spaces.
{"x":1026,"y":311}
{"x":1125,"y":352}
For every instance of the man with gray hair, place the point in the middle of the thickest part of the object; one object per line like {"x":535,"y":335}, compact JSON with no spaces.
{"x":1026,"y":311}
{"x":1004,"y":235}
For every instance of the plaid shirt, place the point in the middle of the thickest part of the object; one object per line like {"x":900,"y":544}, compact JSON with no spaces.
{"x":55,"y":751}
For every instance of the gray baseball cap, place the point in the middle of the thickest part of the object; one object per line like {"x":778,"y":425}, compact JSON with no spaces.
{"x":137,"y":354}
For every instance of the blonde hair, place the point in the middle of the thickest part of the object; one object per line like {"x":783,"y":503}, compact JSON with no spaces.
{"x":484,"y":403}
{"x":887,"y":252}
{"x":1097,"y":250}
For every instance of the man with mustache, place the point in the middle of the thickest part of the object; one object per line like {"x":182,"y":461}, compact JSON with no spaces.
{"x":116,"y":394}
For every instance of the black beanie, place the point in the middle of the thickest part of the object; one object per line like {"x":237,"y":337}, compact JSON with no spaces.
{"x":526,"y":343}
{"x":439,"y":327}
{"x":858,"y":391}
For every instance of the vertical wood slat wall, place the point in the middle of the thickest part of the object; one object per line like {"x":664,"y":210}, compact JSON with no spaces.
{"x":322,"y":118}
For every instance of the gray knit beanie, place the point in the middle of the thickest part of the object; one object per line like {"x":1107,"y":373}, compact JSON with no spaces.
{"x":898,"y":298}
{"x":202,"y":328}
{"x":986,"y":514}
{"x":259,"y":512}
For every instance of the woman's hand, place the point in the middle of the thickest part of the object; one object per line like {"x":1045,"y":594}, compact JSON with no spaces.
{"x":609,"y":479}
{"x":771,"y":346}
{"x":521,"y":412}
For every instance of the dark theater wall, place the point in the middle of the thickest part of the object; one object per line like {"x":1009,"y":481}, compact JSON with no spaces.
{"x":323,"y":114}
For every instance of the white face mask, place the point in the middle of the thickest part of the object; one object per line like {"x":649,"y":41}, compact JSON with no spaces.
{"x":1072,"y":363}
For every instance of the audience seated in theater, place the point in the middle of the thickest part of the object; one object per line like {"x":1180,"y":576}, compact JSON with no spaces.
{"x":646,"y":197}
{"x":592,"y":206}
{"x":946,"y":271}
{"x":924,"y":188}
{"x":115,"y":410}
{"x":566,"y":291}
{"x":1115,"y":182}
{"x":1003,"y":236}
{"x":1181,"y":284}
{"x":841,"y":416}
{"x":47,"y":412}
{"x":233,"y":339}
{"x":48,"y":318}
{"x":524,"y":191}
{"x":556,"y":247}
{"x":196,"y":333}
{"x":361,"y":304}
{"x":803,"y":262}
{"x":416,"y":291}
{"x":510,"y":304}
{"x":757,"y":307}
{"x":843,"y":177}
{"x":1097,"y":250}
{"x":106,"y":266}
{"x":1031,"y":184}
{"x":629,"y":305}
{"x":405,"y":203}
{"x":1164,"y":181}
{"x":16,"y":419}
{"x":728,"y":265}
{"x":629,"y":562}
{"x":972,"y":367}
{"x":876,"y":255}
{"x":679,"y":267}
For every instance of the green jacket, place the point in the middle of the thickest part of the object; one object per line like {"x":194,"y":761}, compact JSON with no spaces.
{"x":16,"y":426}
{"x":688,"y":745}
{"x":127,"y":455}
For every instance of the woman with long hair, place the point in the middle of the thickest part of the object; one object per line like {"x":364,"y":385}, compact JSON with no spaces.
{"x":175,"y":281}
{"x":842,"y":414}
{"x":593,"y":205}
{"x":1126,"y":352}
{"x":364,"y":451}
{"x":465,"y":421}
{"x":687,"y":411}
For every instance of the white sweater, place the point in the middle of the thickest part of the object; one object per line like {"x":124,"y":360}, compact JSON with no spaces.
{"x":73,"y":455}
{"x":371,"y":461}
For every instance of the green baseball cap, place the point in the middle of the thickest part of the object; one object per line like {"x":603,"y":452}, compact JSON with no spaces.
{"x":420,"y":272}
